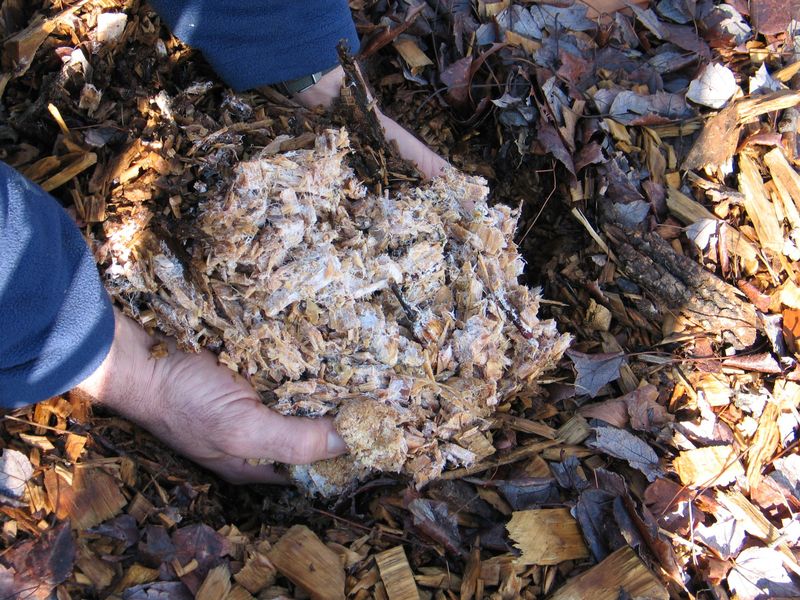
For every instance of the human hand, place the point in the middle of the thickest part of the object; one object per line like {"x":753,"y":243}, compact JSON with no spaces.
{"x":326,"y":90}
{"x":204,"y":410}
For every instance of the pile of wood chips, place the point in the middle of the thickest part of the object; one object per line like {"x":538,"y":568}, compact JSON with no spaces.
{"x":399,"y":315}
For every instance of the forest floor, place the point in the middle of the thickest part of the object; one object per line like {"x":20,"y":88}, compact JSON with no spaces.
{"x":653,"y":157}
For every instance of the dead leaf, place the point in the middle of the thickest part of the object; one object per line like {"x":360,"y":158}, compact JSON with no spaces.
{"x":758,"y":574}
{"x":39,"y":565}
{"x":713,"y":87}
{"x":595,"y":370}
{"x":15,"y":471}
{"x":771,"y":17}
{"x":434,"y":520}
{"x":645,"y":412}
{"x":626,"y":446}
{"x":161,"y":590}
{"x":725,"y":536}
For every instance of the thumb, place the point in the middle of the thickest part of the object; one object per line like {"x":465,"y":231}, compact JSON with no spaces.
{"x":263,"y":433}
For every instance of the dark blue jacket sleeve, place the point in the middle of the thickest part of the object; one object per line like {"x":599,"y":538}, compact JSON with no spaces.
{"x":56,"y":321}
{"x":250,"y":43}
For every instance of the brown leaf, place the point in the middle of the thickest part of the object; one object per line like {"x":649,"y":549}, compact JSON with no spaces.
{"x":771,"y":17}
{"x":203,"y":544}
{"x":644,"y":410}
{"x":613,"y":412}
{"x":622,"y":444}
{"x":763,"y":363}
{"x":39,"y":565}
{"x":435,"y":521}
{"x":595,"y":370}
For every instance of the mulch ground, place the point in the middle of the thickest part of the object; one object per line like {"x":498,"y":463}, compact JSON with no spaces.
{"x":653,"y":157}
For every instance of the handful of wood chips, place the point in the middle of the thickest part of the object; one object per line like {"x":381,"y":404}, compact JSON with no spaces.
{"x":399,"y":315}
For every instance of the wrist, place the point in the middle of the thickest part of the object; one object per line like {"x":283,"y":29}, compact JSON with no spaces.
{"x":324,"y":91}
{"x":126,"y":372}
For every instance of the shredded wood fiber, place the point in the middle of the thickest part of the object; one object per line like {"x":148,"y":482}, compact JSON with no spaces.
{"x":399,"y":315}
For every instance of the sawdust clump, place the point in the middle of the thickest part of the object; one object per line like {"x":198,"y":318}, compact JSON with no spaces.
{"x":399,"y":315}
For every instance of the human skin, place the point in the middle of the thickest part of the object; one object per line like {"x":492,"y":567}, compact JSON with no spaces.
{"x":326,"y":90}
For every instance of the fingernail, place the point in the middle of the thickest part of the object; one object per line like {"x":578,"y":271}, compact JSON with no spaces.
{"x":336,"y":445}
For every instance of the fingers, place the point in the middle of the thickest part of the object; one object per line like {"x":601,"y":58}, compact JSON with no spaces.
{"x":263,"y":433}
{"x":239,"y":471}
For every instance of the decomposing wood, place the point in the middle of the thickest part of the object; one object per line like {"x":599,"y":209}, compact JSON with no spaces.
{"x":720,"y":136}
{"x":380,"y":312}
{"x":546,"y":536}
{"x":684,"y":286}
{"x":620,"y":571}
{"x":396,"y":574}
{"x":309,"y":564}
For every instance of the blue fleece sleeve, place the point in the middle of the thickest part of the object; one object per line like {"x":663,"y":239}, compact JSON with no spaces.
{"x":56,"y":321}
{"x":251,"y":43}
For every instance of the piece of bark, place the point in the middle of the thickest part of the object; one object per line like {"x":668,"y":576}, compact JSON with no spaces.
{"x":622,"y":570}
{"x":684,"y":286}
{"x":546,"y":536}
{"x":396,"y":574}
{"x":309,"y":564}
{"x":720,"y":136}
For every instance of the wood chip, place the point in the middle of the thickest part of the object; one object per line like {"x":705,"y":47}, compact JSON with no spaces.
{"x":546,"y":536}
{"x":764,"y":443}
{"x":787,"y":183}
{"x":412,"y":54}
{"x":74,"y":446}
{"x":258,"y":573}
{"x":713,"y":465}
{"x":92,"y":497}
{"x":216,"y":585}
{"x":756,"y":202}
{"x":396,"y":574}
{"x":309,"y":564}
{"x":622,"y":570}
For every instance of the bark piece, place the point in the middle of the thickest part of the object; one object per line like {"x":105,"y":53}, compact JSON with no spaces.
{"x":720,"y":136}
{"x":546,"y":536}
{"x":309,"y":564}
{"x":622,"y":570}
{"x":684,"y":286}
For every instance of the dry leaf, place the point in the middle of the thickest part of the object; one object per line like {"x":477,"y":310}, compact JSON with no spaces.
{"x":713,"y":465}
